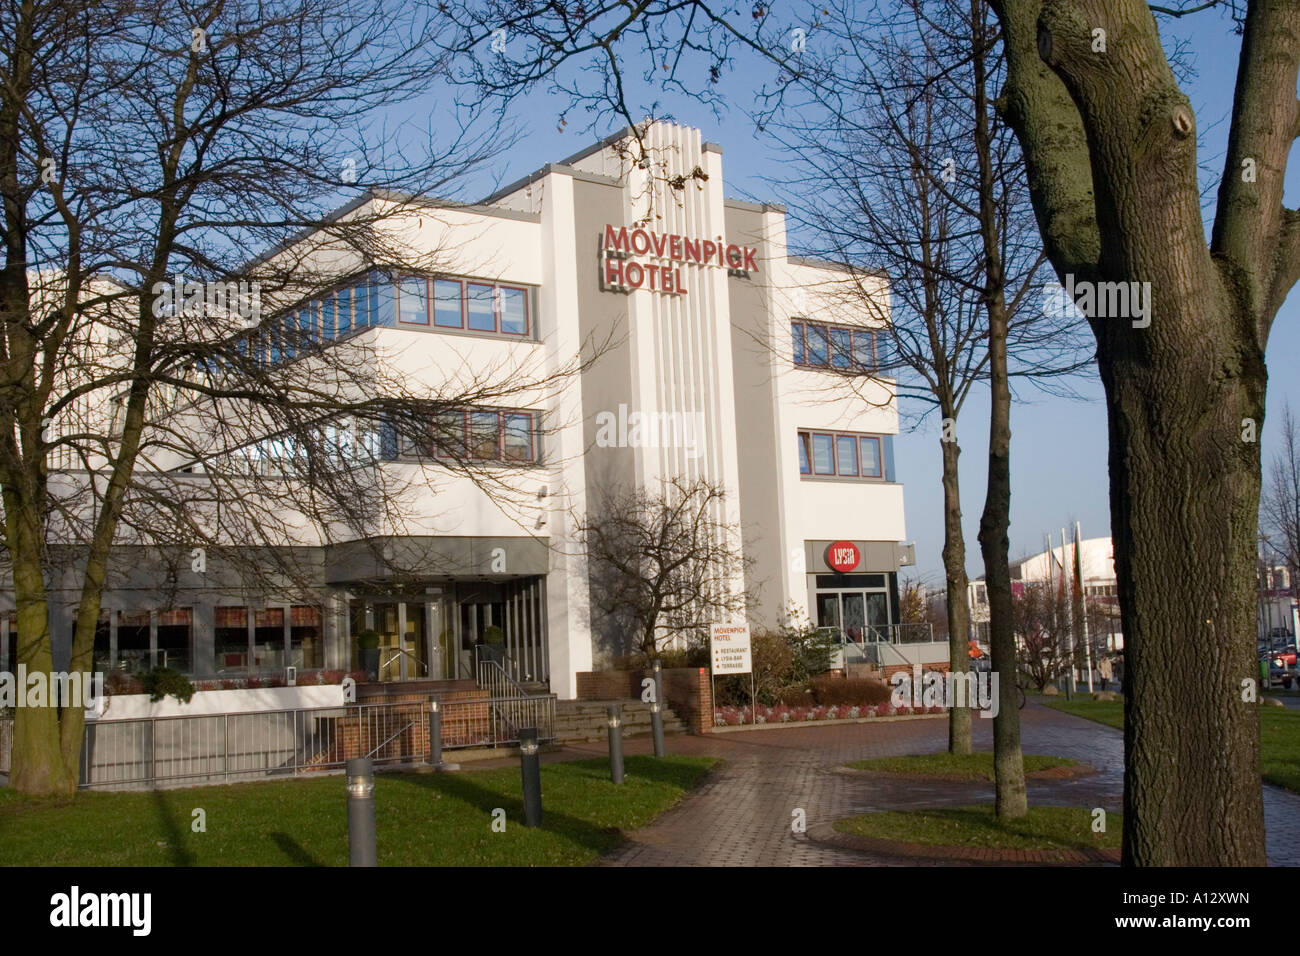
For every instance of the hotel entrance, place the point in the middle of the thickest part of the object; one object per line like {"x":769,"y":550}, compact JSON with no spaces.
{"x":415,"y":643}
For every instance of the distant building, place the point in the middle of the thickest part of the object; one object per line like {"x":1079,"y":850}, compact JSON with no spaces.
{"x":1099,"y":583}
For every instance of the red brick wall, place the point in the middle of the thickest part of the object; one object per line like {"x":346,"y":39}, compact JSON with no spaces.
{"x":686,"y":689}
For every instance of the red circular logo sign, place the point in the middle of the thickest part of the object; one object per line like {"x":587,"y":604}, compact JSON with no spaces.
{"x":843,"y":556}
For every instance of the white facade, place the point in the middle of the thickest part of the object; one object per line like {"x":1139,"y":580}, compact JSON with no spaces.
{"x":799,"y":435}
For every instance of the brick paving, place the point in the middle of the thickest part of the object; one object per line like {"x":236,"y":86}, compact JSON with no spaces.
{"x":741,"y":815}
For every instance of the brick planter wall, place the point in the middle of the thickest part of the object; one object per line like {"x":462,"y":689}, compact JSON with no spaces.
{"x":686,"y":689}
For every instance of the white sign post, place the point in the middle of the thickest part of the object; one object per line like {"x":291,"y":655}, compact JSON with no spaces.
{"x":729,"y":649}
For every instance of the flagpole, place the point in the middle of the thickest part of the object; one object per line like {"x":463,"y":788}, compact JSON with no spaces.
{"x":1083,"y":598}
{"x":1069,"y":610}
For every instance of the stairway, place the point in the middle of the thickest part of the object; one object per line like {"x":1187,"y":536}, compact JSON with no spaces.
{"x":577,"y":721}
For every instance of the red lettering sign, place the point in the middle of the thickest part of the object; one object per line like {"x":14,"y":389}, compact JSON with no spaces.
{"x":843,"y":556}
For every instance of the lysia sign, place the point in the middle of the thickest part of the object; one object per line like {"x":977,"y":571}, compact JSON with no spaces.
{"x":622,"y":251}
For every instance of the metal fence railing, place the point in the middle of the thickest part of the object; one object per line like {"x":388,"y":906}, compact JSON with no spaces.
{"x":159,"y":752}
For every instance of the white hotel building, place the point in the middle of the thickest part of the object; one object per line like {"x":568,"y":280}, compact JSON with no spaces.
{"x":716,"y":328}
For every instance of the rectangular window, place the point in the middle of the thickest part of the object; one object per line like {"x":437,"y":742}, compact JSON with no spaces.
{"x":514,"y":311}
{"x":485,"y":435}
{"x":841,"y":353}
{"x":361,"y":306}
{"x":306,"y":640}
{"x":268,"y":638}
{"x":870,"y":457}
{"x":327,"y":318}
{"x":344,"y":311}
{"x":412,"y":301}
{"x":174,"y":630}
{"x":133,"y":654}
{"x":846,"y":455}
{"x":518,"y":436}
{"x":449,"y":434}
{"x":839,"y":454}
{"x":817,"y":345}
{"x":796,"y":333}
{"x":480,"y":302}
{"x":864,"y":350}
{"x":823,"y":455}
{"x":447,"y":310}
{"x":230,"y":639}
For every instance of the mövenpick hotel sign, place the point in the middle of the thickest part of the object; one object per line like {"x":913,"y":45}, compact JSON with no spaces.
{"x":632,"y":259}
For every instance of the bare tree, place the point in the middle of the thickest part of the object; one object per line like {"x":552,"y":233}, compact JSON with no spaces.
{"x":150,"y":155}
{"x":1181,"y":323}
{"x":662,"y":565}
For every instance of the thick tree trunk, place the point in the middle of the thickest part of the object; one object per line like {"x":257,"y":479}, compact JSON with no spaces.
{"x":1184,"y":493}
{"x":954,"y":568}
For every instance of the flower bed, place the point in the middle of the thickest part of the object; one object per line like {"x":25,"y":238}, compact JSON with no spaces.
{"x":783,"y":714}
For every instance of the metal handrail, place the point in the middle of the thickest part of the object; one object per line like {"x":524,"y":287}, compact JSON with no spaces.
{"x":391,"y":739}
{"x":402,"y":650}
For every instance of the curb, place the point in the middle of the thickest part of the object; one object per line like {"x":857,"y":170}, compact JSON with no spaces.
{"x":802,"y":724}
{"x":827,"y":835}
{"x":1063,"y":772}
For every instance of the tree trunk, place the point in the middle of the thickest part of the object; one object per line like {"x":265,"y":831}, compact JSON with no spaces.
{"x":954,"y":568}
{"x":1008,"y":763}
{"x":1184,"y":488}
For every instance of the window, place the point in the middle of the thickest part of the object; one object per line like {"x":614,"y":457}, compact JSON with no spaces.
{"x":485,"y":435}
{"x":268,"y":638}
{"x":133,"y":652}
{"x":480,"y":301}
{"x":306,"y":648}
{"x":412,"y":301}
{"x":174,"y":629}
{"x":514,"y":310}
{"x":834,"y":347}
{"x":517,"y":439}
{"x":344,"y":311}
{"x":838,"y":454}
{"x":230,"y":639}
{"x":447,"y":312}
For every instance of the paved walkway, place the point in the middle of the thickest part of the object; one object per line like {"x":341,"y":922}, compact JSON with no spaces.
{"x":741,"y":816}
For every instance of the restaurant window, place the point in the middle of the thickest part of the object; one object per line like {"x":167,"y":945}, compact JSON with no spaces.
{"x":102,"y":655}
{"x":230,"y":639}
{"x":268,"y":638}
{"x":306,"y":639}
{"x":856,"y":607}
{"x":175,"y":631}
{"x":133,"y":653}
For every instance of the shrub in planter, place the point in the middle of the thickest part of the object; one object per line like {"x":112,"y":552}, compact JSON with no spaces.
{"x":849,"y":690}
{"x":162,"y":682}
{"x":118,"y":683}
{"x":368,"y":653}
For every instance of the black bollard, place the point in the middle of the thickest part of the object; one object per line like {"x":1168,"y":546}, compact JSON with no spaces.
{"x":530,"y":764}
{"x":361,"y":813}
{"x":614,"y":715}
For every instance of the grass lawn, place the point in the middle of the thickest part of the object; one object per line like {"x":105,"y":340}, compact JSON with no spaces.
{"x":1279,"y":735}
{"x":976,"y":766}
{"x":1045,"y":828}
{"x":427,"y":819}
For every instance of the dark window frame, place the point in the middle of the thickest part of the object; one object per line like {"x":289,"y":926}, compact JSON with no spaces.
{"x":802,"y":356}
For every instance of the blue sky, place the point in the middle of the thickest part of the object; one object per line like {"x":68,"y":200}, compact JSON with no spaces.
{"x":1059,"y":467}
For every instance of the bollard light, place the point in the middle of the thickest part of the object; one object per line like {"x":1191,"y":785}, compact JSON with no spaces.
{"x":361,"y":813}
{"x":530,"y":765}
{"x":657,"y":727}
{"x":614,"y":717}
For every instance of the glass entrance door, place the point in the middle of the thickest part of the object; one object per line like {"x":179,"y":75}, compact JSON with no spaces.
{"x":404,"y":629}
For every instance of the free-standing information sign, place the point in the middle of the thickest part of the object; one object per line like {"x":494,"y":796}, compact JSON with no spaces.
{"x":729,"y":648}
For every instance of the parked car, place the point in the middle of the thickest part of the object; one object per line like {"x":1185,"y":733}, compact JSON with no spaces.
{"x":1279,"y":672}
{"x":1286,"y":653}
